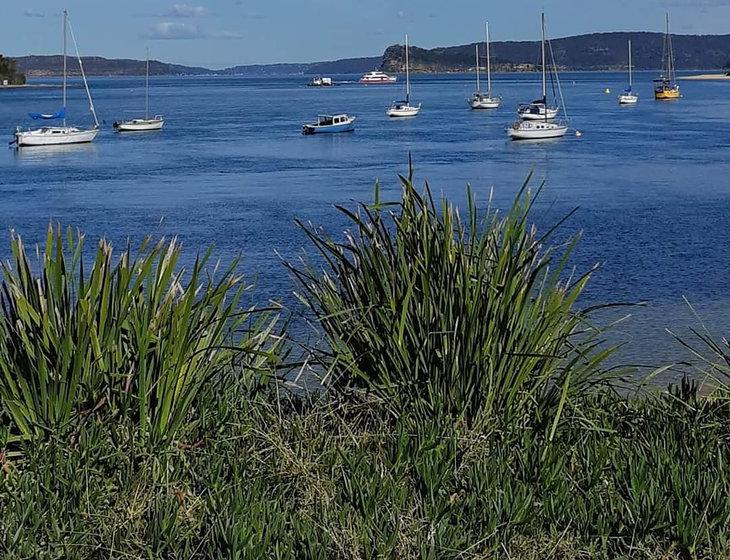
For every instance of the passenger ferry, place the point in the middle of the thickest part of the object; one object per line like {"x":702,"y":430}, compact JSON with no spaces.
{"x":377,"y":77}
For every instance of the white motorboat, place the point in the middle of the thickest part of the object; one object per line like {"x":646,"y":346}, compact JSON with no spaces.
{"x":628,"y":97}
{"x":146,"y":123}
{"x":57,"y":135}
{"x":540,"y":124}
{"x":480,"y":100}
{"x":330,"y":124}
{"x":404,"y":108}
{"x":377,"y":78}
{"x":320,"y":81}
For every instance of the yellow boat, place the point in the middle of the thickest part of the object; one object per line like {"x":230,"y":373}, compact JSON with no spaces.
{"x":666,"y":88}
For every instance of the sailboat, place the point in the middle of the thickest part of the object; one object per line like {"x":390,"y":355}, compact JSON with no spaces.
{"x":539,"y":109}
{"x":147,"y":123}
{"x":484,"y":100}
{"x":57,"y":135}
{"x":628,"y":97}
{"x":539,"y":125}
{"x":665,"y":87}
{"x":404,"y":108}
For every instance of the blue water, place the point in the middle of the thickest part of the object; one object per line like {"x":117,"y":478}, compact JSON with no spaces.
{"x":651,"y":182}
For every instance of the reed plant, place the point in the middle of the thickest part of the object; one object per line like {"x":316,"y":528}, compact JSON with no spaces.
{"x":435,"y":313}
{"x":135,"y":338}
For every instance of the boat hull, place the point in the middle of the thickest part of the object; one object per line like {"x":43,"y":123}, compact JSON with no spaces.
{"x":400,"y":112}
{"x":536,"y":131}
{"x":628,"y":99}
{"x":54,"y":136}
{"x":485,"y":102}
{"x":667,"y":94}
{"x":308,"y":129}
{"x":378,"y":82}
{"x":139,"y":125}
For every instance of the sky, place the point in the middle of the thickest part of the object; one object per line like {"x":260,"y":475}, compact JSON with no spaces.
{"x":221,"y":33}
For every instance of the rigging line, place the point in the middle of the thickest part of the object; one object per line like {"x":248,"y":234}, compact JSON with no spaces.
{"x":557,"y":79}
{"x":83,"y":74}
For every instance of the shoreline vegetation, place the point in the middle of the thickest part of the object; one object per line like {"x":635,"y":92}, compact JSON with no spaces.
{"x":464,"y":406}
{"x":9,"y":74}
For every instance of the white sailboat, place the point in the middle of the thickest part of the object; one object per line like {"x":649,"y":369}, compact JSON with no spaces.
{"x":404,"y":108}
{"x":58,"y":135}
{"x":147,"y":123}
{"x":484,"y":100}
{"x":628,"y":97}
{"x":540,"y":125}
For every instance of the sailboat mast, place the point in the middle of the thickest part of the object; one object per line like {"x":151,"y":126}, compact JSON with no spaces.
{"x":489,"y":69}
{"x":65,"y":17}
{"x":630,"y":80}
{"x":147,"y":88}
{"x":544,"y":79}
{"x":476,"y":49}
{"x":670,"y":54}
{"x":408,"y":75}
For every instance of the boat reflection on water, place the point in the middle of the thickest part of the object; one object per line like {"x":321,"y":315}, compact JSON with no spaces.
{"x":54,"y":152}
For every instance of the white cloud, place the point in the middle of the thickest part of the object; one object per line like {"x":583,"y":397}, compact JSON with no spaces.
{"x":186,"y":11}
{"x":33,"y":13}
{"x":172,"y":30}
{"x":177,"y":30}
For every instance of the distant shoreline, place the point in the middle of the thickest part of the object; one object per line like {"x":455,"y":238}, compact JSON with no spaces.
{"x":18,"y":86}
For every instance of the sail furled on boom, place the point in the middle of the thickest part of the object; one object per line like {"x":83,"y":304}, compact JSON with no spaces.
{"x":60,"y":114}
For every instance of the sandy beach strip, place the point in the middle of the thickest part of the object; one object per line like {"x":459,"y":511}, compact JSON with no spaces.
{"x":705,"y":77}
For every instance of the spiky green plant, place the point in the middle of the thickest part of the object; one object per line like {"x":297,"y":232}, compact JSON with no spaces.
{"x":138,"y":338}
{"x":434,"y":313}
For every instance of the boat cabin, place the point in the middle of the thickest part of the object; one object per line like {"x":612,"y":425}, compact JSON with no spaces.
{"x":329,"y":120}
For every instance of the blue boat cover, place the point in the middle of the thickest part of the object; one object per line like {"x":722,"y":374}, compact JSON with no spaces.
{"x":60,"y":114}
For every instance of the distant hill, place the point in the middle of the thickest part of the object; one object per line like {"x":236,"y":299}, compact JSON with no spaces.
{"x":52,"y":65}
{"x":342,"y":66}
{"x":597,"y":51}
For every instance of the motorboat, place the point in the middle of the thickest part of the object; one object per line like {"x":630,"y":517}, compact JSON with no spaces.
{"x":320,"y":81}
{"x":330,"y":124}
{"x":377,"y":77}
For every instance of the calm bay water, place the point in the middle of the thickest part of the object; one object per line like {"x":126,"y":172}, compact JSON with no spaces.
{"x":651,"y":182}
